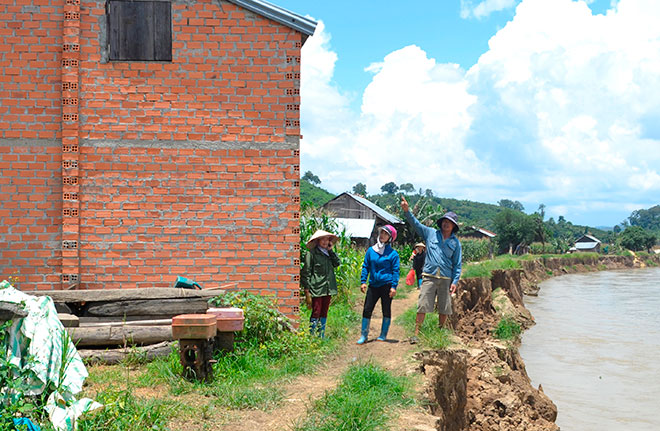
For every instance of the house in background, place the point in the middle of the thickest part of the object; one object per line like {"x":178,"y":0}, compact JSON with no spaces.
{"x":361,"y":217}
{"x":586,"y":243}
{"x":141,"y":140}
{"x":475,"y":232}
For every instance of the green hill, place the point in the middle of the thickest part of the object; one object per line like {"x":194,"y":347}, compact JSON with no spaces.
{"x":309,"y":193}
{"x":470,"y":213}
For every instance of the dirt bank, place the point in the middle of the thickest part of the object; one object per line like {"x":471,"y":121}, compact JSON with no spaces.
{"x":483,"y":385}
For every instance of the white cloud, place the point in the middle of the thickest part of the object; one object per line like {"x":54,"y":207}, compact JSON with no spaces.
{"x":582,"y":93}
{"x":412,"y":125}
{"x":563,"y":108}
{"x":484,"y":8}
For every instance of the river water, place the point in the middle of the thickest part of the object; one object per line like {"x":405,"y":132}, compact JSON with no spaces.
{"x":595,"y":349}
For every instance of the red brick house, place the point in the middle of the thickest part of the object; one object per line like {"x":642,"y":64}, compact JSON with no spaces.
{"x":141,"y":140}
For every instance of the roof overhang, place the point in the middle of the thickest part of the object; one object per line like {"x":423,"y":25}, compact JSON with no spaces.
{"x":276,"y":13}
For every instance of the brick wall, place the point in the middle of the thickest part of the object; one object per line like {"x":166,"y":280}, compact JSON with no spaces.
{"x":187,"y":167}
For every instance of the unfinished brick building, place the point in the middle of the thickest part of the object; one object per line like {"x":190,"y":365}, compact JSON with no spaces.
{"x":141,"y":140}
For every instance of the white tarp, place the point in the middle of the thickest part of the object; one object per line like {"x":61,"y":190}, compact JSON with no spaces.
{"x":39,"y":343}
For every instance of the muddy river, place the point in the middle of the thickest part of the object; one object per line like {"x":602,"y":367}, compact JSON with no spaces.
{"x":595,"y":349}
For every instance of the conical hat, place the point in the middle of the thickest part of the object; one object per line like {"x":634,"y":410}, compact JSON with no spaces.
{"x":320,"y":234}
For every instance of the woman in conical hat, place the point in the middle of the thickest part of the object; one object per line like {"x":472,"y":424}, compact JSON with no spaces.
{"x":317,"y":278}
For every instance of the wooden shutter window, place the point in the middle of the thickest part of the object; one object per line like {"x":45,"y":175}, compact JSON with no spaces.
{"x":140,"y":30}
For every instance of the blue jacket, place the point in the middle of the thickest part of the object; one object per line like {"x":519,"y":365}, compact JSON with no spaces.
{"x":381,"y":269}
{"x":445,"y":255}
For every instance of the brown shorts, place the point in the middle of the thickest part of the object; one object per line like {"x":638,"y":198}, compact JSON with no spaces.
{"x":431,"y":289}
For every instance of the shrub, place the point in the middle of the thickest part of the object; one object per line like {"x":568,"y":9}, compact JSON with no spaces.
{"x":539,"y":248}
{"x":475,"y":250}
{"x":507,"y":328}
{"x":263,"y":323}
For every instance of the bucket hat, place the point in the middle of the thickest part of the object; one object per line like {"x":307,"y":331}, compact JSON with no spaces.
{"x":313,"y":241}
{"x":419,"y":244}
{"x":452,"y":217}
{"x":390,"y":230}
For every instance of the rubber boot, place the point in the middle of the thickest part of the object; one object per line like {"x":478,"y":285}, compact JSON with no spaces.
{"x":384,"y":329}
{"x":322,"y":326}
{"x":313,"y":323}
{"x":365,"y":330}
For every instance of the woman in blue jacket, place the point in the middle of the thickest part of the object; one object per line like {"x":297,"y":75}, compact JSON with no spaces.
{"x":381,"y":267}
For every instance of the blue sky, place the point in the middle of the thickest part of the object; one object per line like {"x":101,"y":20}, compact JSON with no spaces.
{"x":540,"y":101}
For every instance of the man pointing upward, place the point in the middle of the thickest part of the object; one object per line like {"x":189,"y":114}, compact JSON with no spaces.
{"x":442,"y":267}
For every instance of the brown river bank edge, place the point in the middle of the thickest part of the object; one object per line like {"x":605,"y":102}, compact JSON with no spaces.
{"x":481,"y":384}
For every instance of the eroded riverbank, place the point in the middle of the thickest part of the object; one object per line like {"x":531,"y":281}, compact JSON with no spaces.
{"x":483,"y":384}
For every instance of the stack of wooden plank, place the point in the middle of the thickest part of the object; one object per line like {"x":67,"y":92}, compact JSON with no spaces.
{"x":125,"y":317}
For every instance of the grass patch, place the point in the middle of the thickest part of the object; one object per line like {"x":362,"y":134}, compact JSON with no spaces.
{"x":430,"y":336}
{"x":486,"y":268}
{"x":507,"y":329}
{"x":364,"y":400}
{"x":123,"y":411}
{"x":403,"y":290}
{"x":252,"y":376}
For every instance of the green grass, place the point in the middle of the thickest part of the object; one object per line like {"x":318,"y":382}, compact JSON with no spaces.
{"x":486,"y":268}
{"x":507,"y":329}
{"x":430,"y":336}
{"x":365,"y":400}
{"x":123,"y":411}
{"x":253,"y":375}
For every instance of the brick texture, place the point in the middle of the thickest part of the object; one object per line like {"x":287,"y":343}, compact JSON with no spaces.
{"x":30,"y":214}
{"x":187,"y":167}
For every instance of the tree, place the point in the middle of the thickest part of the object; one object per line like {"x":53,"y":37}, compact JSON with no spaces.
{"x":616,"y":229}
{"x":360,"y":189}
{"x":514,"y":205}
{"x":540,"y":231}
{"x":648,"y":219}
{"x":311,"y":178}
{"x":636,"y":238}
{"x":389,"y":188}
{"x":407,"y":187}
{"x":428,"y":193}
{"x":513,"y":228}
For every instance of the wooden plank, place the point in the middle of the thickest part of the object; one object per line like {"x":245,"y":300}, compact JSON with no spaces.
{"x":119,"y":336}
{"x":103,"y":295}
{"x":162,"y":31}
{"x":170,"y":307}
{"x":115,"y":356}
{"x":116,"y":323}
{"x":68,"y":320}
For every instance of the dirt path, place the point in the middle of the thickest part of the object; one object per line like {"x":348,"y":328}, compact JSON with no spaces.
{"x":394,"y":354}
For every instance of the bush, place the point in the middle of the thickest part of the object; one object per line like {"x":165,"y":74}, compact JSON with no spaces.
{"x":507,"y":328}
{"x":263,"y":323}
{"x":539,"y":248}
{"x":475,"y":250}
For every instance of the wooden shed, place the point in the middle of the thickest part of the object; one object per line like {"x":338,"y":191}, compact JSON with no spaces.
{"x":348,"y":206}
